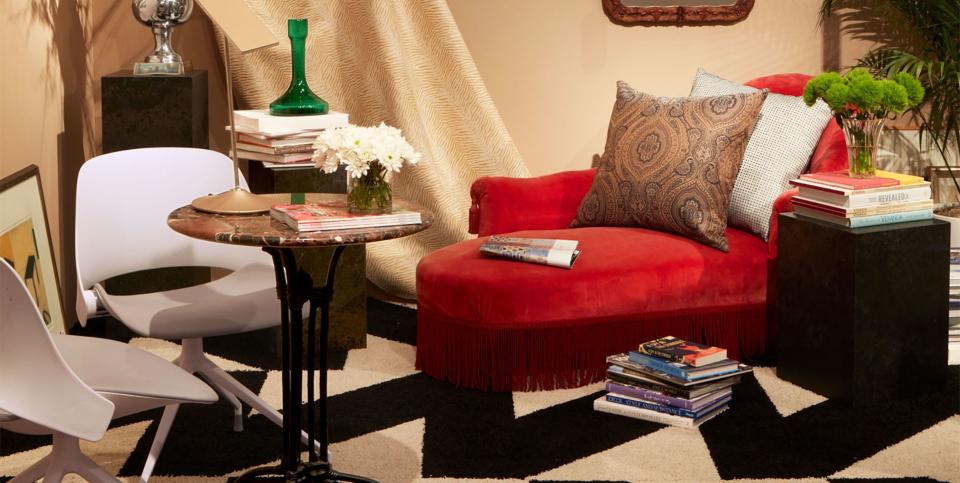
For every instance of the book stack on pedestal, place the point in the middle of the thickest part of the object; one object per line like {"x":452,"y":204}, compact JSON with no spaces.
{"x":953,"y":331}
{"x":671,"y":381}
{"x":886,"y":198}
{"x":281,"y":142}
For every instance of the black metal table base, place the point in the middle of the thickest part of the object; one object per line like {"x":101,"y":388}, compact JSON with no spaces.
{"x":296,"y":288}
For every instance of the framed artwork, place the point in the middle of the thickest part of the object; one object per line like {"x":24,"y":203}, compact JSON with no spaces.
{"x":25,"y":242}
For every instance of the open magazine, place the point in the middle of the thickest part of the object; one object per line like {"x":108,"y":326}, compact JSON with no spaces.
{"x":543,"y":251}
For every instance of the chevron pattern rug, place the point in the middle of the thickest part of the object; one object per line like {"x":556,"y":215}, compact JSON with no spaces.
{"x":394,"y":424}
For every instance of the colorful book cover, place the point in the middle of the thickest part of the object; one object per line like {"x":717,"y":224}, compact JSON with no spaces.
{"x":602,"y":405}
{"x":843,"y":179}
{"x":624,"y":362}
{"x":662,"y":398}
{"x":627,"y":377}
{"x":681,"y":370}
{"x":533,"y":242}
{"x":683,"y":351}
{"x":660,"y":408}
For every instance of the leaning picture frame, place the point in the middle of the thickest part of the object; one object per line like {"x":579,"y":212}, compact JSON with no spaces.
{"x":25,"y":242}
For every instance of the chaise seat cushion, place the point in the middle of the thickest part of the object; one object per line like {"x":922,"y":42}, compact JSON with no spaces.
{"x":621,"y":272}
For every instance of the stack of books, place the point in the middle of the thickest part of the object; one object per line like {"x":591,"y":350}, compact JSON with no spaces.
{"x":334,"y":215}
{"x":671,"y":381}
{"x":542,"y":251}
{"x":886,"y":198}
{"x":281,"y":142}
{"x":953,"y":331}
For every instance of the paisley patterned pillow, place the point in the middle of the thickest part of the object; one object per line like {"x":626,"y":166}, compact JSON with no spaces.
{"x":670,"y":163}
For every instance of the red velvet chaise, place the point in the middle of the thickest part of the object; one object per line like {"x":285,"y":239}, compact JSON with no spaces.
{"x":500,"y":325}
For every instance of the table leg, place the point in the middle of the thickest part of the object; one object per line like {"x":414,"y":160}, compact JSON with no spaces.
{"x":295,"y":289}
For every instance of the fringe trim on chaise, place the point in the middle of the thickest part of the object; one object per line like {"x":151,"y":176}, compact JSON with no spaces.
{"x":564,"y":355}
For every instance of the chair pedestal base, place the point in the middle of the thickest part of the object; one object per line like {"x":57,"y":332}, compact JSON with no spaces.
{"x":65,"y":458}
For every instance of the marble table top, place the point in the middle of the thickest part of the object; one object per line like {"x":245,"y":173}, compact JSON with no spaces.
{"x":262,"y":230}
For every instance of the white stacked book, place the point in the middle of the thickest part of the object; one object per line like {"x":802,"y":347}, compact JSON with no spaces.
{"x":281,"y":142}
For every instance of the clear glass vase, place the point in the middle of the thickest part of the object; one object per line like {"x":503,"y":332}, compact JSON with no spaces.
{"x":299,"y":100}
{"x":370,"y":193}
{"x":863,"y":139}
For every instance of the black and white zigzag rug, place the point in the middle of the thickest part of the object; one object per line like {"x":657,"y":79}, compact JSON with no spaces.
{"x":394,"y":424}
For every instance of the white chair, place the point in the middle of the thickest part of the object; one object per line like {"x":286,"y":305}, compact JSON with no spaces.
{"x":71,"y":387}
{"x":123,"y":200}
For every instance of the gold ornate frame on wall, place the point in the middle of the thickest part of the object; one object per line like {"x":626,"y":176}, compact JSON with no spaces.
{"x":677,"y":15}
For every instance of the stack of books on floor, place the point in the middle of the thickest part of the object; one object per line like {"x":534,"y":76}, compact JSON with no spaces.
{"x":953,"y":330}
{"x":281,"y":142}
{"x":671,"y":381}
{"x":323,"y":216}
{"x":886,"y":198}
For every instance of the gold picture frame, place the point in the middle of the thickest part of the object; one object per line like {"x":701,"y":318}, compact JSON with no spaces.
{"x":25,"y":242}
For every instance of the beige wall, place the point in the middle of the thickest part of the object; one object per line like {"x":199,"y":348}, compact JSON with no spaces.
{"x":54,"y":53}
{"x":551,"y":66}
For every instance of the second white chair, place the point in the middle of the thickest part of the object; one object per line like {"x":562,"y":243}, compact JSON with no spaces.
{"x":71,"y":387}
{"x":123,"y":200}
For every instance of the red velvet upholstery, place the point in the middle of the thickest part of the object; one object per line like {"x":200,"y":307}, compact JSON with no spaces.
{"x":494,"y":324}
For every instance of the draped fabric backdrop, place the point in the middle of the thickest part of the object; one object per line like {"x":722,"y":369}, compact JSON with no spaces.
{"x":402,"y":62}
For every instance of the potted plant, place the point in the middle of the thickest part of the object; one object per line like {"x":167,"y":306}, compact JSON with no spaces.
{"x":861,"y":105}
{"x":370,"y":155}
{"x":923,"y":40}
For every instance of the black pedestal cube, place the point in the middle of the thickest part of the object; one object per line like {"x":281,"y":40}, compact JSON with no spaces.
{"x":862,"y":313}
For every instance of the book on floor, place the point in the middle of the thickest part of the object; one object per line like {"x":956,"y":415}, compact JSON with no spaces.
{"x":679,"y":350}
{"x":628,"y":377}
{"x":623,"y":362}
{"x":601,"y":404}
{"x":321,"y":216}
{"x":658,"y":397}
{"x":542,"y":251}
{"x":681,"y":370}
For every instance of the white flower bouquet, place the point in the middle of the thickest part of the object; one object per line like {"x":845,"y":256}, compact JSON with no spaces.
{"x":369,"y":155}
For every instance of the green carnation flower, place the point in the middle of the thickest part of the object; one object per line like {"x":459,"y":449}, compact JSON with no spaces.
{"x":858,"y":75}
{"x":819,"y":85}
{"x":913,"y":87}
{"x":895,"y":98}
{"x":836,"y":96}
{"x":866,"y":94}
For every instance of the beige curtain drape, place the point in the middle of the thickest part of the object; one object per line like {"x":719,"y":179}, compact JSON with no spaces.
{"x":402,"y":62}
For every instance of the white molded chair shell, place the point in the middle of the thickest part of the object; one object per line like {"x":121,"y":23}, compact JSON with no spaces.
{"x":122,"y":226}
{"x":37,"y":384}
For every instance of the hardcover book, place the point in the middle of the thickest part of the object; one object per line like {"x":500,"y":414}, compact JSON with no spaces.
{"x":686,"y":352}
{"x":602,"y":405}
{"x":862,"y":198}
{"x":885,"y":209}
{"x":662,"y":408}
{"x":658,"y":397}
{"x":623,"y":361}
{"x":681,"y":370}
{"x":335,"y":216}
{"x":842,"y":179}
{"x":261,"y":121}
{"x":864,"y":221}
{"x":628,"y":377}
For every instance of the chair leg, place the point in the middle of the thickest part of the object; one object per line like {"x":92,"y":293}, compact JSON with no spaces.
{"x":34,"y":472}
{"x":91,"y":471}
{"x":219,"y":377}
{"x":232,"y":399}
{"x":166,"y":421}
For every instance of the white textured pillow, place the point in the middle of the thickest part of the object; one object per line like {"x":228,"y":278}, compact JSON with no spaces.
{"x":783,"y":140}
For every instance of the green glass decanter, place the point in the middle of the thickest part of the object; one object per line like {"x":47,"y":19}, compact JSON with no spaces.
{"x":299,"y":100}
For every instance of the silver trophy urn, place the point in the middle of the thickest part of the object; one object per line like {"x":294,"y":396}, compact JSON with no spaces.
{"x":162,"y":16}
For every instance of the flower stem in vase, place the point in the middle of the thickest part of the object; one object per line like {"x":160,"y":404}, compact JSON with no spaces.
{"x":370,"y":193}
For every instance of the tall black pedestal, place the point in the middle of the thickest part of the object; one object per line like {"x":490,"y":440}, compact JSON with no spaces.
{"x":154,"y":111}
{"x":862,"y":313}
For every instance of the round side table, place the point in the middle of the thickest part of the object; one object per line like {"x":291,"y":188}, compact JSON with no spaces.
{"x":296,"y":288}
